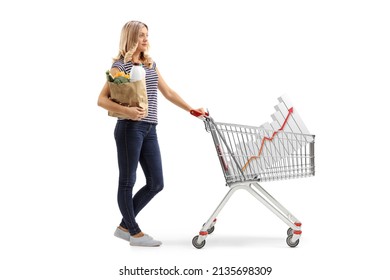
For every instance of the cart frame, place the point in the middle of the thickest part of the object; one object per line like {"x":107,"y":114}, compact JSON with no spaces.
{"x":286,"y":155}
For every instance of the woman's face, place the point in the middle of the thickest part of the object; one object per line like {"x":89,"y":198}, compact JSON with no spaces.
{"x":143,"y":40}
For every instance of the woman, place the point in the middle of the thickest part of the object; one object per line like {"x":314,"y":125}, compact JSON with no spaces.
{"x":135,"y":136}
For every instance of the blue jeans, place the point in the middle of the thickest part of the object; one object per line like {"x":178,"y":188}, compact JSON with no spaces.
{"x":136,"y":141}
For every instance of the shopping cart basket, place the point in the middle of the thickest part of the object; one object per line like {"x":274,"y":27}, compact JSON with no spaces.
{"x":249,"y":155}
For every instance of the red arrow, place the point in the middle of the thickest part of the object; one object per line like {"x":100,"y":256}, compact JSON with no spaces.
{"x":290,"y":111}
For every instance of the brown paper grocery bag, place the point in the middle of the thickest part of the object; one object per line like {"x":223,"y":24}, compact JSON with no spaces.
{"x":132,"y":94}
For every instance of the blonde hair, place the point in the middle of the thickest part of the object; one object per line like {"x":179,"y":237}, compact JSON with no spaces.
{"x":129,"y":42}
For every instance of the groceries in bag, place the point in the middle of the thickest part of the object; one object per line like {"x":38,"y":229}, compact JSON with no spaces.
{"x":126,"y":92}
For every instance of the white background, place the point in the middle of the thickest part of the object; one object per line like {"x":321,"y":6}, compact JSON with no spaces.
{"x":59,"y":173}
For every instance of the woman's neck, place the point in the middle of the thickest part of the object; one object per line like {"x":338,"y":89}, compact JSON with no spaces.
{"x":136,"y":57}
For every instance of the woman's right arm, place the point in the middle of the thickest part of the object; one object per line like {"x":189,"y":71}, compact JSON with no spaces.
{"x":104,"y":101}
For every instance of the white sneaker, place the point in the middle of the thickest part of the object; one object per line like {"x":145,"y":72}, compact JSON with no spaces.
{"x":146,"y":241}
{"x":125,"y":235}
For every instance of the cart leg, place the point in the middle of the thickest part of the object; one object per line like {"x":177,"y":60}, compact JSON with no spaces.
{"x":294,"y":232}
{"x":199,"y":240}
{"x":277,"y":208}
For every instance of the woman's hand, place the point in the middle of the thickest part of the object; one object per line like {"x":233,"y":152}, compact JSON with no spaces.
{"x":199,"y":113}
{"x":201,"y":110}
{"x":135,"y":113}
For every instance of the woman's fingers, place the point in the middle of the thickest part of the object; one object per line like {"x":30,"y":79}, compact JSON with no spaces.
{"x":140,"y":113}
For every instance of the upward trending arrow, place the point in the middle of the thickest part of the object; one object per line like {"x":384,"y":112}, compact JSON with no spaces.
{"x":290,"y":111}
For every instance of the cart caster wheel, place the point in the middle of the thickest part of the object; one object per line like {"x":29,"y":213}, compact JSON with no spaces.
{"x":210,"y":230}
{"x":290,"y":231}
{"x":290,"y":243}
{"x":195,"y":242}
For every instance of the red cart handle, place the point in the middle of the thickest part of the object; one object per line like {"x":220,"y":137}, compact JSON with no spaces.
{"x":199,"y":114}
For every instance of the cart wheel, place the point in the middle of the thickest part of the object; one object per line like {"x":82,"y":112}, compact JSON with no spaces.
{"x":195,"y":242}
{"x":292,"y":244}
{"x":211,"y":230}
{"x":290,"y":231}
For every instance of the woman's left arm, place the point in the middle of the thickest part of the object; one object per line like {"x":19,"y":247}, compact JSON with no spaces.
{"x":171,"y":95}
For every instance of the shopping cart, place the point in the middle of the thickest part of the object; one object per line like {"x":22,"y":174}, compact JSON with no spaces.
{"x":249,"y":155}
